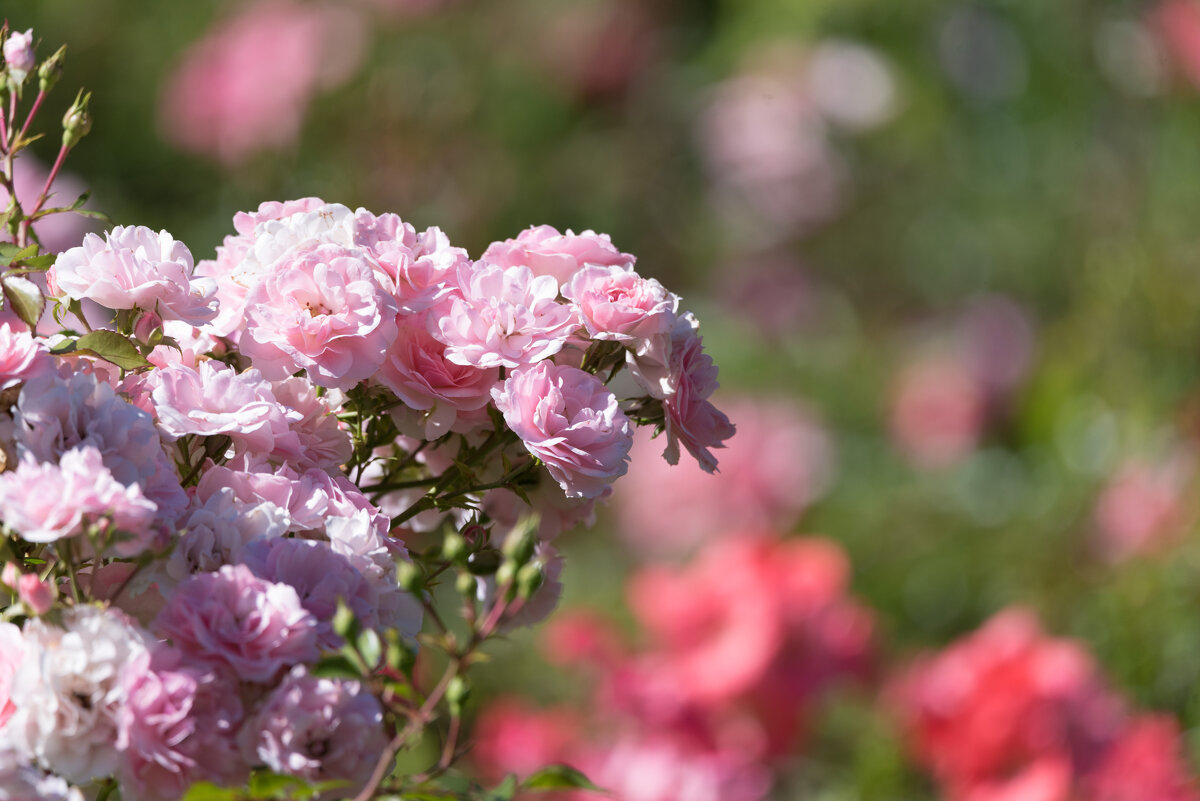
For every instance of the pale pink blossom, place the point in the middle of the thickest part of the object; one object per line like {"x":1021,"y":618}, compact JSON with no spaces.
{"x":178,"y":726}
{"x":21,"y":356}
{"x":674,"y":368}
{"x":422,"y":267}
{"x":320,"y":730}
{"x":68,"y":692}
{"x":569,"y":420}
{"x":21,"y":780}
{"x":11,"y":653}
{"x":19,"y":55}
{"x":617,"y":304}
{"x":134,"y":267}
{"x":320,"y":310}
{"x":779,"y":463}
{"x":214,"y":399}
{"x":503,"y":316}
{"x":217,"y":529}
{"x":246,"y":86}
{"x":233,"y":279}
{"x":320,"y":576}
{"x":322,"y":440}
{"x":547,"y":252}
{"x":45,"y":502}
{"x":235,"y":619}
{"x":417,"y":370}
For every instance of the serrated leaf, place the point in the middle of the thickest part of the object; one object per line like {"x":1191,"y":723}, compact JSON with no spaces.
{"x":25,"y":297}
{"x":7,"y":251}
{"x":265,"y":784}
{"x":559,"y":777}
{"x":112,"y":347}
{"x":336,"y":666}
{"x":370,"y":647}
{"x":207,"y":791}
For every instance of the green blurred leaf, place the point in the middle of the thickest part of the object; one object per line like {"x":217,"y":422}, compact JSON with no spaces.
{"x":265,"y":784}
{"x":207,"y":791}
{"x":370,"y":647}
{"x":505,"y":790}
{"x":337,"y":666}
{"x":559,"y":777}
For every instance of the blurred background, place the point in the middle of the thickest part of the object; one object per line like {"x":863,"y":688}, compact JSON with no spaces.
{"x":945,"y":255}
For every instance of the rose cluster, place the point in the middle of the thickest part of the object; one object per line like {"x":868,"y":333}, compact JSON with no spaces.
{"x":212,"y":471}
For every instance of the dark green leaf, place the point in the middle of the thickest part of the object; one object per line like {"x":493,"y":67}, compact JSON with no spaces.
{"x":559,"y":777}
{"x":112,"y":347}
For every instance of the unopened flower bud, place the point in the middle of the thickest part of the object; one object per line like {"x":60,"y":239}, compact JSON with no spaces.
{"x":77,"y":122}
{"x":38,"y":595}
{"x":506,"y":575}
{"x":484,"y":562}
{"x":409,"y":577}
{"x":51,"y":70}
{"x":465,"y":585}
{"x":454,"y":547}
{"x":475,"y":535}
{"x":10,"y":575}
{"x":522,"y":540}
{"x":19,"y":57}
{"x":457,"y":692}
{"x":529,"y":580}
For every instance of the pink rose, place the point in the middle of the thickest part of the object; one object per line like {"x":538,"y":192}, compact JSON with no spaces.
{"x":503,"y":317}
{"x":547,"y":252}
{"x":134,"y":267}
{"x":21,"y":357}
{"x":236,"y":619}
{"x":319,"y":729}
{"x":569,"y":420}
{"x":18,"y":54}
{"x":178,"y":726}
{"x":11,"y":651}
{"x":417,"y":370}
{"x":618,"y":304}
{"x":320,"y":310}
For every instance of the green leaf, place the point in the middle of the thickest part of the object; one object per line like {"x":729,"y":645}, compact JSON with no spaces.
{"x":370,"y":647}
{"x":25,"y":297}
{"x":336,"y":666}
{"x":344,"y":623}
{"x":265,"y":784}
{"x":207,"y":791}
{"x":559,"y":777}
{"x":505,"y":790}
{"x":112,"y":347}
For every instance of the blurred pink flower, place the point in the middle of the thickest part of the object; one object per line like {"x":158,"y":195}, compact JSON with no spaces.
{"x":246,"y":85}
{"x":11,"y":652}
{"x":1143,"y":507}
{"x":1145,"y":763}
{"x":512,"y":737}
{"x":1177,"y":23}
{"x":761,"y":625}
{"x":780,"y":462}
{"x":598,"y":50}
{"x":938,"y":409}
{"x":1007,"y":707}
